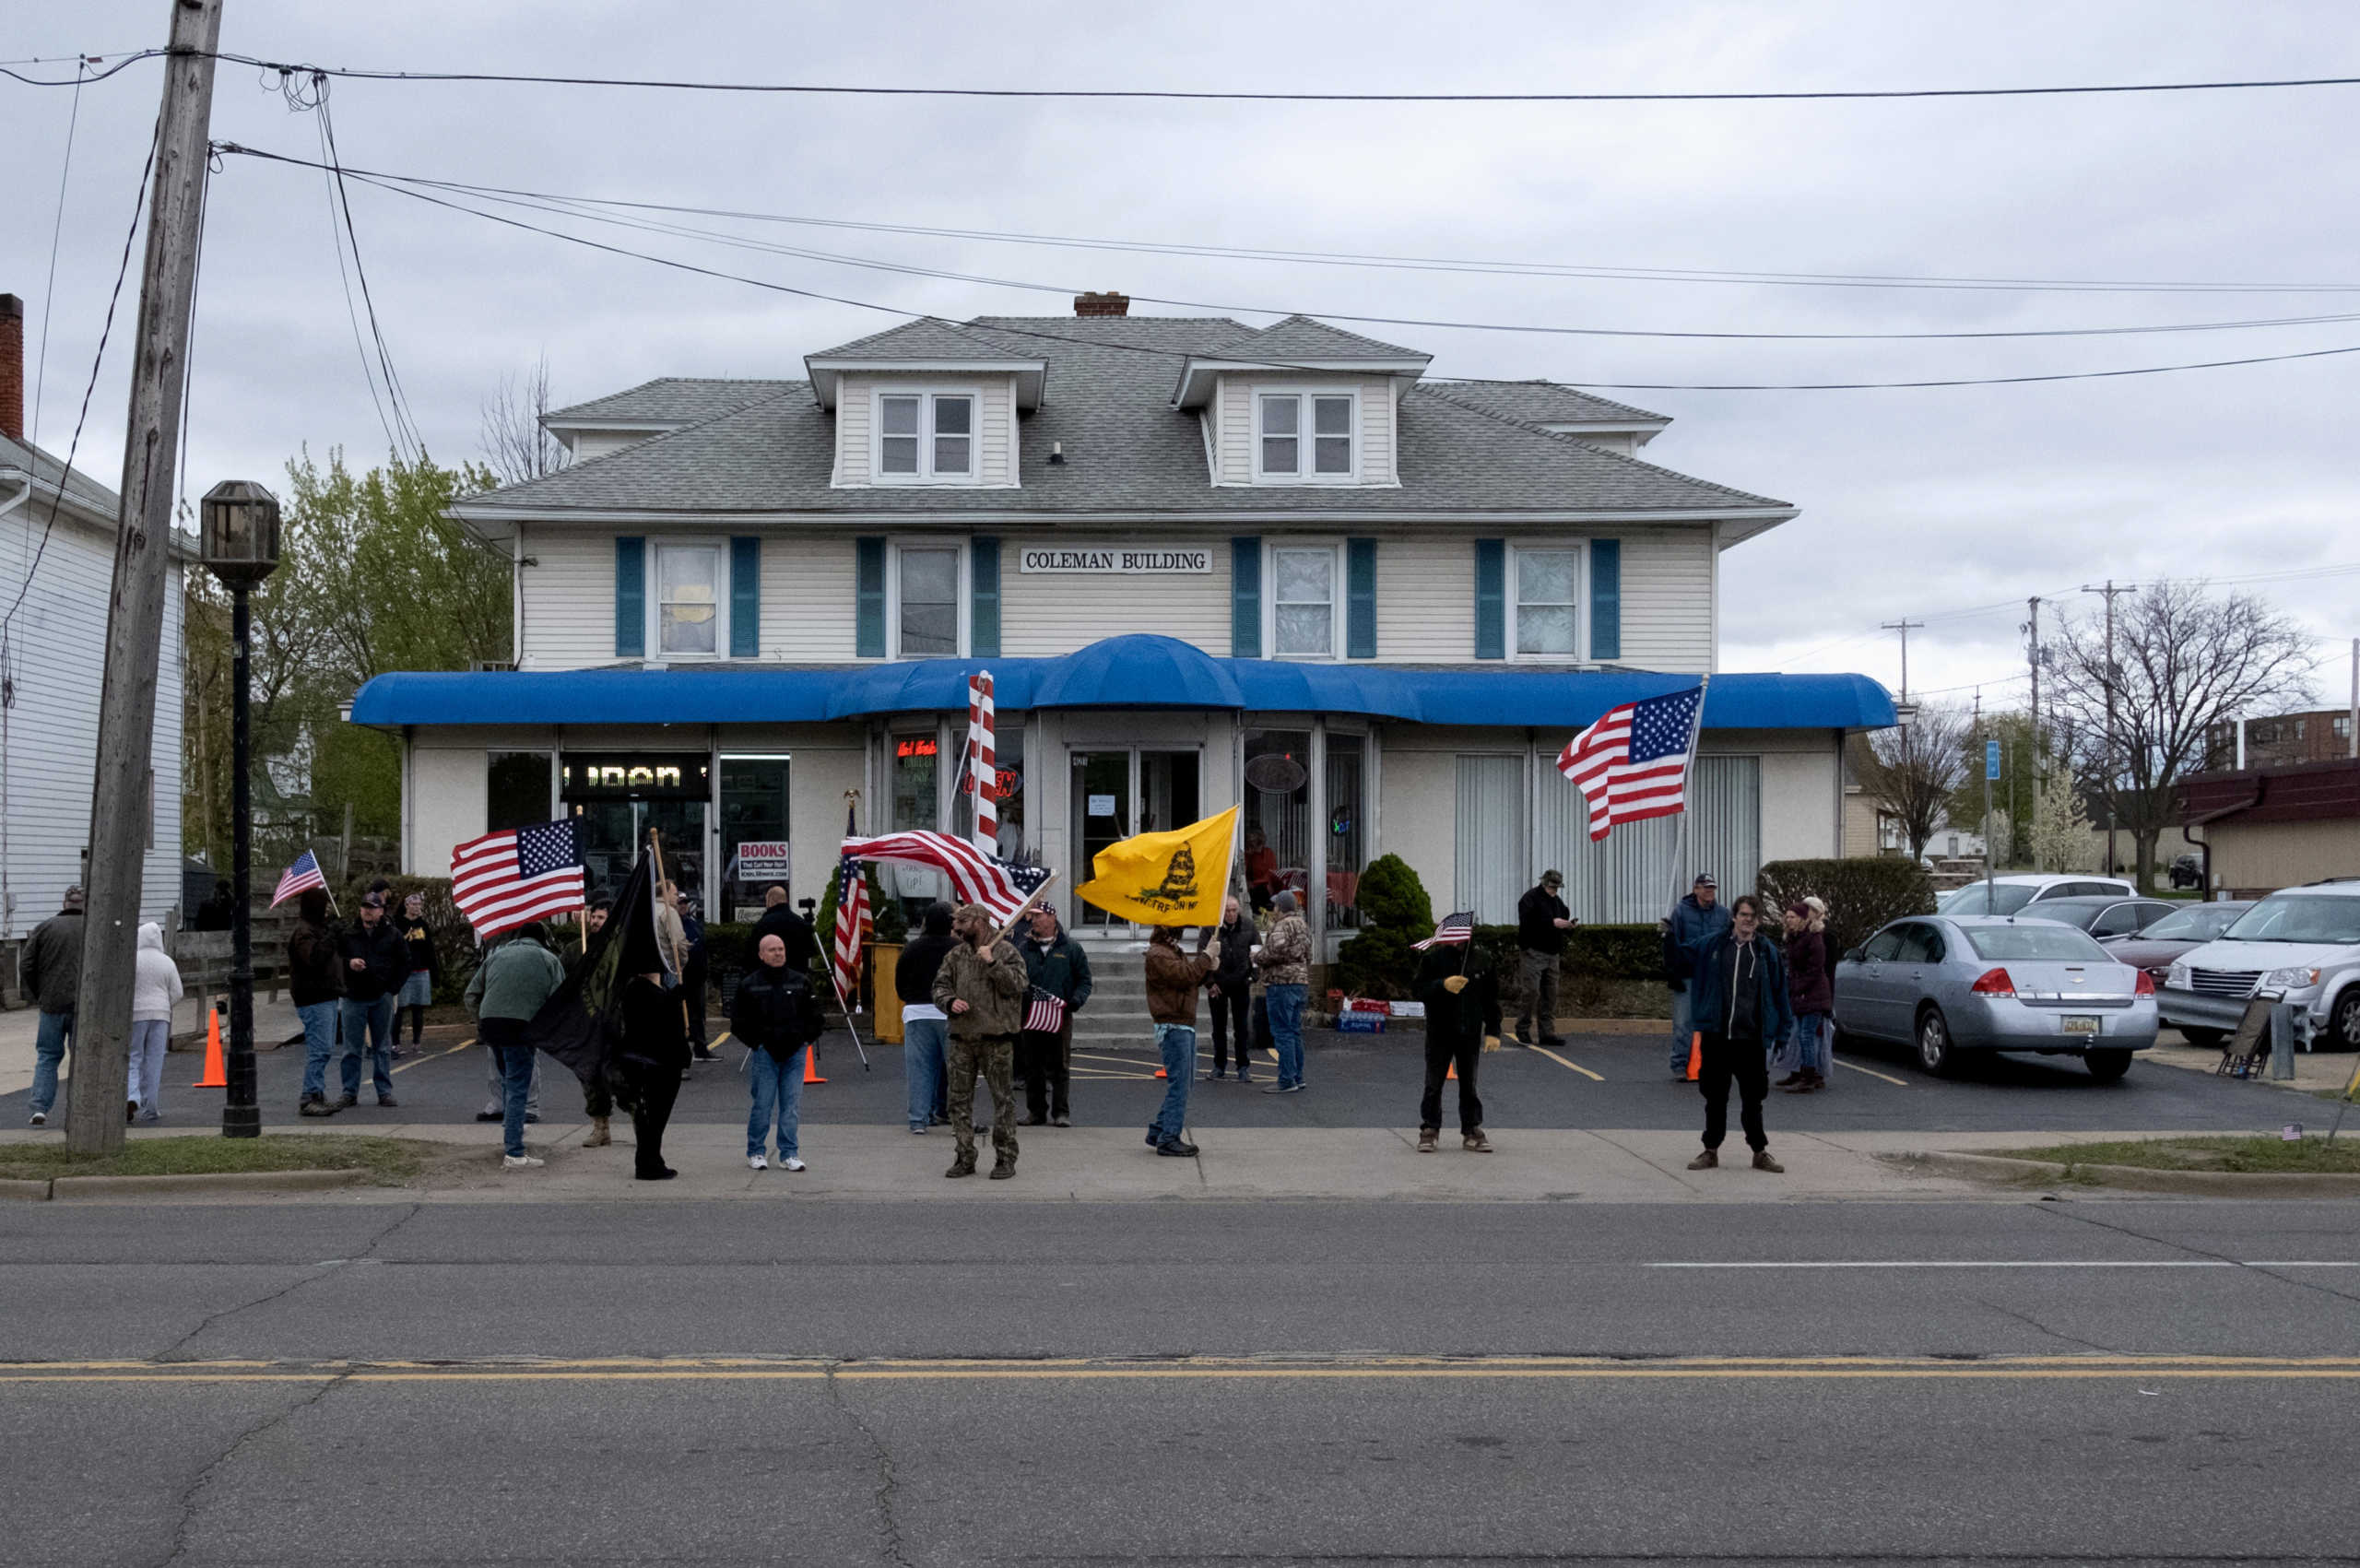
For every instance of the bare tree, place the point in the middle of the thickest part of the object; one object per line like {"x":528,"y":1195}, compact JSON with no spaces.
{"x":2183,"y":660}
{"x":1911,"y":771}
{"x":516,"y":444}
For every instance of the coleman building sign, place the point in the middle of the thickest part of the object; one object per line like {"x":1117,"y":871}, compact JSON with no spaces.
{"x":1117,"y":562}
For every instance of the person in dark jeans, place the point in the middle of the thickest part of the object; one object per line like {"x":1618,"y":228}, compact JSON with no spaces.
{"x":1460,"y":988}
{"x":925,"y":1031}
{"x":653,"y":1054}
{"x":1054,"y":963}
{"x":376,"y":961}
{"x":1738,"y":997}
{"x":1230,"y":993}
{"x":517,"y":977}
{"x":1541,"y":922}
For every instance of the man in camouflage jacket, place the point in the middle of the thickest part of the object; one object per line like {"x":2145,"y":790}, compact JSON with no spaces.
{"x":981,"y":986}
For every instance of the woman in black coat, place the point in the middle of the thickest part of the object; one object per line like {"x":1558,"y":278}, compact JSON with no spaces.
{"x":652,"y":1054}
{"x":1460,"y":988}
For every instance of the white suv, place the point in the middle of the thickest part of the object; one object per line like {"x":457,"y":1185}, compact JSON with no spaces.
{"x":2010,"y":894}
{"x":2303,"y":943}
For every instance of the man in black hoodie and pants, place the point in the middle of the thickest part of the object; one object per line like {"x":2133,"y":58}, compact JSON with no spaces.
{"x":1233,"y":990}
{"x":1460,"y":988}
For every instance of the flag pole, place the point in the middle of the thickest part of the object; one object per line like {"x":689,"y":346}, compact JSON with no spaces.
{"x":837,"y":986}
{"x":1680,"y":829}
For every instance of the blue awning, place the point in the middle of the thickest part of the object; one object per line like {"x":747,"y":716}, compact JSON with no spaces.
{"x":1139,"y":671}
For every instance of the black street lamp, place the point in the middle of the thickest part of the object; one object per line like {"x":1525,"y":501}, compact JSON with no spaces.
{"x":239,"y":544}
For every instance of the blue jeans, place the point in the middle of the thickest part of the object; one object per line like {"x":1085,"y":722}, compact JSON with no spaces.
{"x":1177,"y":1041}
{"x":778,"y":1094}
{"x":923,"y":1040}
{"x":319,"y":1045}
{"x":517,"y":1063}
{"x":1812,"y":1052}
{"x":57,"y":1032}
{"x":1286,"y":1030}
{"x":376,"y":1019}
{"x":1682,"y":1032}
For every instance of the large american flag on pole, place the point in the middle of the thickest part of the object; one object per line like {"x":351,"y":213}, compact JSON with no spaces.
{"x":852,"y":918}
{"x":1633,"y":763}
{"x":975,"y":878}
{"x":504,"y":880}
{"x":304,"y":873}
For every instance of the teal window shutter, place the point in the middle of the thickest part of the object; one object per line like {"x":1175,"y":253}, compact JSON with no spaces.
{"x":868,"y":598}
{"x":1606,"y":598}
{"x":1490,"y":598}
{"x":1246,"y":597}
{"x":1360,"y":598}
{"x":982,"y":616}
{"x":631,"y":596}
{"x":745,"y":597}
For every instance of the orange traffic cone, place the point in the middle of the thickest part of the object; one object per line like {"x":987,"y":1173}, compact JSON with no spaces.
{"x":1160,"y":1073}
{"x":217,"y":1072}
{"x":1452,"y":1075}
{"x":1696,"y":1055}
{"x":811,"y":1066}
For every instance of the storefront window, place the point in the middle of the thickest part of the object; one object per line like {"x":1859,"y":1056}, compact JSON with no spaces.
{"x":620,"y":798}
{"x":753,"y":833}
{"x":1008,"y":758}
{"x":1346,"y":828}
{"x":916,"y":772}
{"x":1278,"y":812}
{"x":517,"y":790}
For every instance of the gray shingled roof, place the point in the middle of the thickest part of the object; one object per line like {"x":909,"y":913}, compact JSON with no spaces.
{"x":682,"y":399}
{"x":1545,"y":403}
{"x":45,"y":468}
{"x":929,"y":338}
{"x":1300,"y":337}
{"x":1126,"y":450}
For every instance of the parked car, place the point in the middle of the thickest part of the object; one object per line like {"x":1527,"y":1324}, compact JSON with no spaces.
{"x":1950,"y":984}
{"x":2188,"y":927}
{"x":2303,"y":943}
{"x":2188,"y":871}
{"x":2008,"y":894}
{"x":2101,"y":917}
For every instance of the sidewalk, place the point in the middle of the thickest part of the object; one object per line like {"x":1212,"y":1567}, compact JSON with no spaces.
{"x":2314,"y":1071}
{"x":273,"y":1021}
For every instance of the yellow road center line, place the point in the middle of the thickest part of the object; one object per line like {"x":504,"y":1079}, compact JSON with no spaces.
{"x":1896,"y":1082}
{"x":1594,"y":1078}
{"x":1196,"y":1363}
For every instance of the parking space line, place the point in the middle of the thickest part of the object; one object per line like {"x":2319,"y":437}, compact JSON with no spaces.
{"x":453,"y":1051}
{"x":1594,"y":1078}
{"x":1896,"y":1082}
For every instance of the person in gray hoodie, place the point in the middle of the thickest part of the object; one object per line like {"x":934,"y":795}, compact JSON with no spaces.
{"x":155,"y":986}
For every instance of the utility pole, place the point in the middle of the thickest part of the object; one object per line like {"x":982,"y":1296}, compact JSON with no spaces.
{"x":2032,"y":626}
{"x":2113,"y":769}
{"x":2352,"y":731}
{"x":119,"y":804}
{"x":1905,"y":625}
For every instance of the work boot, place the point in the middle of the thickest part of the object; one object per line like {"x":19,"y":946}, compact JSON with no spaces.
{"x":347,"y":1102}
{"x":1176,"y":1149}
{"x":964,"y":1165}
{"x":599,"y":1136}
{"x":1426,"y":1141}
{"x":1762,"y":1161}
{"x":1706,"y":1161}
{"x":1791,"y":1080}
{"x":316,"y":1106}
{"x":1002,"y":1168}
{"x":1476,"y":1143}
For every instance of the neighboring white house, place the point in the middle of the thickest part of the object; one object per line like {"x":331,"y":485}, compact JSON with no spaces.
{"x":57,"y":536}
{"x":1206,"y":564}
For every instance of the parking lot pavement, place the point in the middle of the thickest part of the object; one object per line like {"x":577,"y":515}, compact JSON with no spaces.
{"x":1356,"y":1080}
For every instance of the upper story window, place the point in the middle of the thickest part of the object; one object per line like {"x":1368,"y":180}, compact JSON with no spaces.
{"x":927,"y":600}
{"x":1306,"y":437}
{"x":926,"y":437}
{"x":1303,"y":605}
{"x":1547,"y":585}
{"x":688,"y":601}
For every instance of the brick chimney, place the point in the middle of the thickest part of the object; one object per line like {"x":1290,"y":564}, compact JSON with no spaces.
{"x":1106,"y":304}
{"x":12,"y":367}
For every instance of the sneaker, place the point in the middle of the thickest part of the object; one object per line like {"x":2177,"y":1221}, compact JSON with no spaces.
{"x":311,"y":1105}
{"x":1553,"y":1042}
{"x":1002,"y":1168}
{"x":1284,"y":1088}
{"x":488,"y":1116}
{"x":920,"y":1128}
{"x":1762,"y":1161}
{"x":1244,"y":1077}
{"x":387,"y":1103}
{"x":1705,"y":1160}
{"x":792,"y":1164}
{"x":1061,"y":1120}
{"x":149,"y":1118}
{"x":665,"y":1175}
{"x":1425,"y":1142}
{"x":1179,"y":1148}
{"x":1476,"y":1143}
{"x":520,"y":1161}
{"x":1030,"y":1120}
{"x":756,"y":1162}
{"x":38,"y":1119}
{"x":531,"y":1117}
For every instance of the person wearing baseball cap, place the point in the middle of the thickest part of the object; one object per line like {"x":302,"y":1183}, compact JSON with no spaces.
{"x":1541,"y":922}
{"x":1694,"y":920}
{"x":49,"y":969}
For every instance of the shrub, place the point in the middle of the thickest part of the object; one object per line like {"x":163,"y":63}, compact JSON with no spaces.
{"x":1391,"y":895}
{"x":1395,"y":912}
{"x":1861,"y":894}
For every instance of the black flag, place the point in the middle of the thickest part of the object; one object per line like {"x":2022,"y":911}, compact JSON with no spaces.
{"x":581,"y":1025}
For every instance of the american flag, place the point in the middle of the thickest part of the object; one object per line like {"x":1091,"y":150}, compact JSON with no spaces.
{"x":983,"y":767}
{"x":975,"y":878}
{"x":304,"y":873}
{"x":1633,"y":763}
{"x":1456,"y":929}
{"x":852,"y":918}
{"x":1046,"y":1013}
{"x":504,"y":880}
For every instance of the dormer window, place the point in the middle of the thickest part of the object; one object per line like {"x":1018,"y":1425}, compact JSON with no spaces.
{"x":1306,"y":437}
{"x":926,"y":437}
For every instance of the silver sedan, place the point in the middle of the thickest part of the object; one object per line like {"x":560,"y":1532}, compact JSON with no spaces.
{"x":1948,"y":985}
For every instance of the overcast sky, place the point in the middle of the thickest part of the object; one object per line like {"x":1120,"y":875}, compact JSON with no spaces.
{"x":1914,"y":502}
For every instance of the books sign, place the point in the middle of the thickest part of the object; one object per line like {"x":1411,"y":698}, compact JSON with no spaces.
{"x":762,"y":859}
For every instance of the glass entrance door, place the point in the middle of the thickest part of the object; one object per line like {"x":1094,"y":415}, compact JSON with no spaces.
{"x":1117,"y":793}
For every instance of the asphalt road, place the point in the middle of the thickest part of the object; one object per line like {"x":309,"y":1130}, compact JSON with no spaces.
{"x":1356,"y":1080}
{"x":897,"y":1383}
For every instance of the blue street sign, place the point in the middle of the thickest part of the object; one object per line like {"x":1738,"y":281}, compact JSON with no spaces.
{"x":1990,"y":759}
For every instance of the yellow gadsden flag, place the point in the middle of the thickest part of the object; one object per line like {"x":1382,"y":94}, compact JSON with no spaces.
{"x":1174,"y":878}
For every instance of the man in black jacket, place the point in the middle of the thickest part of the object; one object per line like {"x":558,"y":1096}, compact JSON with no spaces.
{"x":1054,"y":964}
{"x":315,"y":984}
{"x":1460,"y":987}
{"x":50,"y":969}
{"x":1233,"y":990}
{"x":925,"y":1033}
{"x":1541,"y":922}
{"x":778,"y":919}
{"x":376,"y":961}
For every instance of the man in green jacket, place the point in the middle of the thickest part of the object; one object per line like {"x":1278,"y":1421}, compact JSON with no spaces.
{"x":520,"y":975}
{"x":981,"y":986}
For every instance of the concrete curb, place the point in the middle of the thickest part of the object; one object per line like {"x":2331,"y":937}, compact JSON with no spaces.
{"x":207,"y":1183}
{"x":16,"y":1190}
{"x":2209,"y":1183}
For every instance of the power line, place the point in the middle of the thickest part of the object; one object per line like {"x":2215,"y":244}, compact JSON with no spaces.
{"x":1655,"y":386}
{"x":559,"y":205}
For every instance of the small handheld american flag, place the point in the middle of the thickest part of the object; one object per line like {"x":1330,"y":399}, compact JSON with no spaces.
{"x":518,"y":875}
{"x":1633,"y":763}
{"x":304,"y":873}
{"x":1044,"y":1012}
{"x":1456,"y":929}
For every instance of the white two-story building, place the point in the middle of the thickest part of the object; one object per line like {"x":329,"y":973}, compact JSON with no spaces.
{"x":1204,"y":564}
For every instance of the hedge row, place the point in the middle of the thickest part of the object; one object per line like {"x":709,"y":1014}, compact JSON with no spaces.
{"x":1862,"y":895}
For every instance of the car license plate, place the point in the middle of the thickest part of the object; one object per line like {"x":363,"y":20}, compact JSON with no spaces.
{"x":2080,"y":1023}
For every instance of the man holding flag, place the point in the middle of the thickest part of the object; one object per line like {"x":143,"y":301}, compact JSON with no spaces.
{"x":980,"y":985}
{"x":1058,"y":971}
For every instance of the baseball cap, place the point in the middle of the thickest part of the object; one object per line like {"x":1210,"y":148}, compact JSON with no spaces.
{"x":1552,"y":878}
{"x":1704,"y":880}
{"x":372,"y":900}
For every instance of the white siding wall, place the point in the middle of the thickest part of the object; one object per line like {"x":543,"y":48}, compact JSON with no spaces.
{"x":1425,"y":597}
{"x":1043,"y":613}
{"x":53,"y":729}
{"x":1425,"y":600}
{"x":598,"y":443}
{"x":1667,"y":598}
{"x":807,"y":609}
{"x":568,"y":598}
{"x":996,"y":435}
{"x":1233,"y":430}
